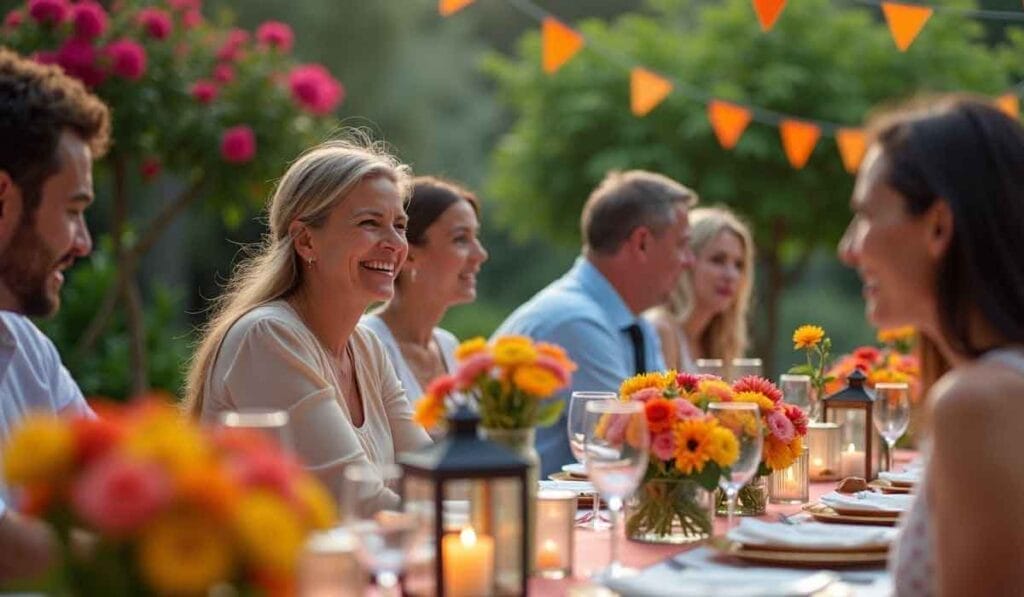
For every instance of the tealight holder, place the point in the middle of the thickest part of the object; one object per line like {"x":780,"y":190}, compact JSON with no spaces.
{"x":823,"y":442}
{"x":556,"y":517}
{"x":789,"y":485}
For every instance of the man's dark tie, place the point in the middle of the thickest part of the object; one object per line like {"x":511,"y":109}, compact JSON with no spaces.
{"x":637,"y":336}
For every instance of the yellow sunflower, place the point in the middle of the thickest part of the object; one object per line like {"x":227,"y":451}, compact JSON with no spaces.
{"x":185,"y":552}
{"x":693,"y":441}
{"x":41,"y":449}
{"x":807,"y":336}
{"x":536,"y":381}
{"x":711,"y":390}
{"x":512,"y":351}
{"x":779,"y":455}
{"x":763,"y":402}
{"x":723,"y":447}
{"x":262,"y":515}
{"x":634,"y":384}
{"x":470,"y":347}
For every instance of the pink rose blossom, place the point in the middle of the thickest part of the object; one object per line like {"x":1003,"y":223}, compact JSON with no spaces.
{"x":314,"y":89}
{"x":238,"y":144}
{"x":664,"y":445}
{"x":191,"y":19}
{"x":224,"y":73}
{"x":276,"y":35}
{"x":616,"y":431}
{"x":150,"y":168}
{"x":266,"y":468}
{"x":686,"y":409}
{"x":14,"y":19}
{"x":117,"y":495}
{"x":233,"y":48}
{"x":78,"y":58}
{"x":780,"y":425}
{"x":645,"y":394}
{"x":128,"y":59}
{"x":90,"y":20}
{"x":797,"y":417}
{"x":48,"y":11}
{"x":472,"y":368}
{"x":204,"y":91}
{"x":442,"y":386}
{"x":156,"y":22}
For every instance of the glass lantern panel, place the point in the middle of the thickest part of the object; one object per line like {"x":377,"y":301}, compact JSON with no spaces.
{"x":419,"y":574}
{"x":507,"y":525}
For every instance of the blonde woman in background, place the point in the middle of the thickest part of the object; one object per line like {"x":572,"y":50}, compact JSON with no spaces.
{"x":284,"y":335}
{"x":706,"y":315}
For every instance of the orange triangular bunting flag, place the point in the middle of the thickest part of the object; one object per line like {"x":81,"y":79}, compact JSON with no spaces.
{"x":905,"y":22}
{"x":558,"y":44}
{"x":1009,"y":103}
{"x":798,"y":140}
{"x":851,"y":143}
{"x":450,"y":7}
{"x":728,"y":121}
{"x":646,"y":90}
{"x":768,"y":12}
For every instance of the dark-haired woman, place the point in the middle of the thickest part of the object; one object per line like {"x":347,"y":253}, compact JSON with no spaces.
{"x":445,"y":255}
{"x":936,"y":238}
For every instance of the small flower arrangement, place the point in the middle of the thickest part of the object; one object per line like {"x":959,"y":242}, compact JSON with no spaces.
{"x":812,"y":340}
{"x":892,"y":362}
{"x":174,"y":509}
{"x":511,"y":380}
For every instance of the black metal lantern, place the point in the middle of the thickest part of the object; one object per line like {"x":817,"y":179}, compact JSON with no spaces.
{"x":852,"y":408}
{"x":477,"y":492}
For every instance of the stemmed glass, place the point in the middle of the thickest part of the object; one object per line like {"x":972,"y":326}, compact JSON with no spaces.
{"x":796,"y":390}
{"x":616,"y":443}
{"x":892,"y":414}
{"x":743,"y":419}
{"x":386,"y":532}
{"x":272,"y":424}
{"x":577,"y":435}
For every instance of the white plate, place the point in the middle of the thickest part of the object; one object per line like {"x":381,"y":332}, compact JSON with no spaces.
{"x":575,"y":469}
{"x":662,"y":580}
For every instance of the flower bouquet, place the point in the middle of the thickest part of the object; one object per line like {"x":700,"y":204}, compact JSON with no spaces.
{"x":689,"y":453}
{"x":892,"y":362}
{"x":166,"y":508}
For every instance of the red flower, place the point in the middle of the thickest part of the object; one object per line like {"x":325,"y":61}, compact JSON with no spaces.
{"x":315,"y":89}
{"x":128,"y":59}
{"x":660,"y":414}
{"x":78,"y":58}
{"x":191,"y":19}
{"x":14,"y":19}
{"x":687,"y":381}
{"x":238,"y":144}
{"x":233,"y":48}
{"x":753,"y":383}
{"x":224,"y":73}
{"x":94,"y":437}
{"x":116,"y":495}
{"x":45,"y":57}
{"x":797,"y":417}
{"x":275,"y":34}
{"x":204,"y":91}
{"x":867,"y":353}
{"x":185,"y":4}
{"x":150,"y":168}
{"x":48,"y":11}
{"x":441,"y":386}
{"x":156,"y":22}
{"x":90,"y":20}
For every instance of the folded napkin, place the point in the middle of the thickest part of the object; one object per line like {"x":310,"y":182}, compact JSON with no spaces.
{"x":869,"y":501}
{"x":665,"y":579}
{"x":580,"y":487}
{"x":752,"y":532}
{"x":912,"y":477}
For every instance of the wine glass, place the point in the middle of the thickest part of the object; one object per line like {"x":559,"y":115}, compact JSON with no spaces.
{"x":744,"y":367}
{"x":386,"y":533}
{"x":577,"y":435}
{"x":891,"y":413}
{"x":616,"y":443}
{"x":796,"y":390}
{"x":743,"y":419}
{"x":272,"y":424}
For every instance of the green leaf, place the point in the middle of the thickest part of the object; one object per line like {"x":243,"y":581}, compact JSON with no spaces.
{"x":801,"y":370}
{"x":708,"y":476}
{"x":548,"y":414}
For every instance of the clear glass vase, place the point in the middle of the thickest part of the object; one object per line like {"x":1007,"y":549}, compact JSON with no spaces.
{"x":674,"y":511}
{"x":752,"y":499}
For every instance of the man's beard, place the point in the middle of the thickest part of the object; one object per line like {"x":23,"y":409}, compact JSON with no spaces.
{"x":25,"y":269}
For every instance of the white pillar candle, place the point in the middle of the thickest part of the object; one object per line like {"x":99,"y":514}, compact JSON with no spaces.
{"x":851,"y":462}
{"x":468,"y":564}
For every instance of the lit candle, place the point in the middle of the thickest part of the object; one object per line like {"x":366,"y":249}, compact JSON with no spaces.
{"x":823,"y":441}
{"x":468,"y":563}
{"x":548,"y":557}
{"x":851,"y":462}
{"x":789,"y":485}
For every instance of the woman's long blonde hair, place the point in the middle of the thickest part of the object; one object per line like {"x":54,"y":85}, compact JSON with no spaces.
{"x":313,"y":185}
{"x":726,"y":334}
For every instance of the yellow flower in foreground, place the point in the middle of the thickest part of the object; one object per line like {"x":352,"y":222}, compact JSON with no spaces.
{"x":763,"y":402}
{"x":723,"y":447}
{"x":807,"y":336}
{"x":40,"y":449}
{"x":779,"y":455}
{"x":712,"y":390}
{"x":185,"y":553}
{"x":319,"y":505}
{"x":429,"y":411}
{"x":270,"y":532}
{"x":900,"y":334}
{"x":470,"y":347}
{"x":634,"y":384}
{"x":693,"y":441}
{"x":163,"y":436}
{"x":512,"y":351}
{"x":536,"y":381}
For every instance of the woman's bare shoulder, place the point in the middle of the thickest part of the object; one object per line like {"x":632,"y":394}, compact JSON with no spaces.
{"x":979,"y":398}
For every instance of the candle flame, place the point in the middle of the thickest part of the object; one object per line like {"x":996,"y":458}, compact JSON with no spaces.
{"x":468,"y":537}
{"x":549,"y":545}
{"x":851,"y":448}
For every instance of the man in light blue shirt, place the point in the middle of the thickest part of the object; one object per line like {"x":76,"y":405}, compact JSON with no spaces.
{"x":635,"y":245}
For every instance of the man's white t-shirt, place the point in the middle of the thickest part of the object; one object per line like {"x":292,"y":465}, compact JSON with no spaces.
{"x":32,"y":379}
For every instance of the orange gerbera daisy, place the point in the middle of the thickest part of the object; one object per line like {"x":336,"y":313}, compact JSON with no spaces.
{"x":643,"y":381}
{"x":660,"y":414}
{"x":807,"y":336}
{"x":693,"y":438}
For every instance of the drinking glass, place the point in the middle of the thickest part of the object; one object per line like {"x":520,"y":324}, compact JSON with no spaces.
{"x":272,"y":424}
{"x":743,"y":419}
{"x":892,"y":414}
{"x":796,"y":390}
{"x":577,"y":435}
{"x":386,"y":532}
{"x":616,"y":443}
{"x":711,"y":367}
{"x":744,"y":367}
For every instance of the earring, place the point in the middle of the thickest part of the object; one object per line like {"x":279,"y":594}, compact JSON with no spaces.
{"x":310,"y":262}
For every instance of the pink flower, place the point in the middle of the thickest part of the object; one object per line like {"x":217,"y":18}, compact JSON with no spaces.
{"x":48,"y":11}
{"x":616,"y":431}
{"x":687,"y":381}
{"x":128,"y":59}
{"x":664,"y":446}
{"x":233,"y":48}
{"x":797,"y":417}
{"x":645,"y":394}
{"x":90,"y":20}
{"x":156,"y":22}
{"x":472,"y":368}
{"x":117,"y":495}
{"x":224,"y":73}
{"x":191,"y":19}
{"x":185,"y":4}
{"x":14,"y":19}
{"x":150,"y":168}
{"x":754,"y":383}
{"x":238,"y":144}
{"x":442,"y":386}
{"x":204,"y":91}
{"x":266,"y":468}
{"x":314,"y":89}
{"x":45,"y":57}
{"x":276,"y":35}
{"x":78,"y":58}
{"x":686,"y":409}
{"x":780,"y":425}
